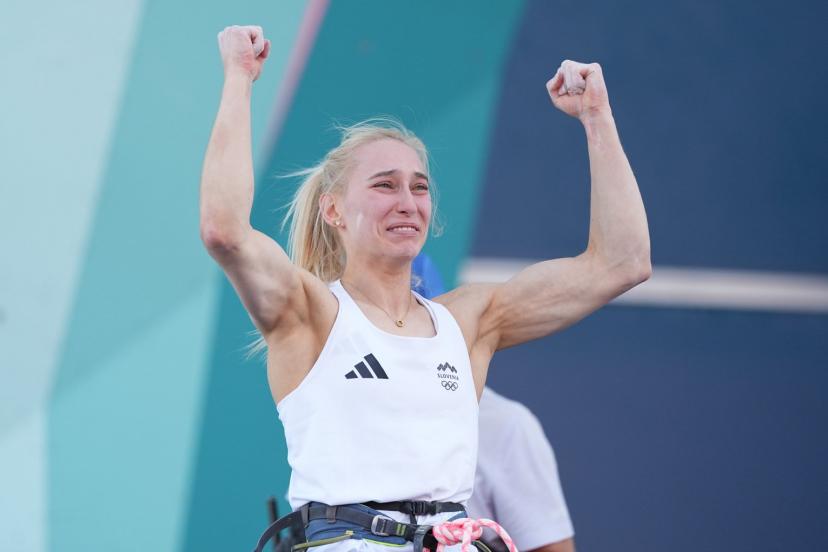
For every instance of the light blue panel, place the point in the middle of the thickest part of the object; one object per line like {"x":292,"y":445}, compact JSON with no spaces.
{"x":145,"y":254}
{"x":125,"y":415}
{"x":57,"y":121}
{"x":23,"y":484}
{"x":122,"y":437}
{"x":64,"y":75}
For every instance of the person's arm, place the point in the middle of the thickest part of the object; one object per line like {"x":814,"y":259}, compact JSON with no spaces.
{"x":258,"y":267}
{"x":551,"y":295}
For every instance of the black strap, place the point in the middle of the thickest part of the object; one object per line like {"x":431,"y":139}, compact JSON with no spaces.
{"x":376,"y":523}
{"x":424,"y":538}
{"x":417,"y":507}
{"x":276,"y":527}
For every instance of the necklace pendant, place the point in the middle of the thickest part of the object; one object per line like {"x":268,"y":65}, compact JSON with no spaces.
{"x":400,"y":323}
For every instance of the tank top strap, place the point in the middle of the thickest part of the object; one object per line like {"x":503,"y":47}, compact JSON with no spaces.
{"x":432,"y":311}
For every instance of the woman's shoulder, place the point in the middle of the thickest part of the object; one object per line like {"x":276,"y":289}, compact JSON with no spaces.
{"x":314,"y":307}
{"x":468,"y":305}
{"x":467,"y":300}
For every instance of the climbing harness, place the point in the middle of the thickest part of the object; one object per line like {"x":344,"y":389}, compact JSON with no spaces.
{"x":426,"y":538}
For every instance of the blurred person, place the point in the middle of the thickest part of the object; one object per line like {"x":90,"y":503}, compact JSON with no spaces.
{"x":516,"y":482}
{"x":365,"y":373}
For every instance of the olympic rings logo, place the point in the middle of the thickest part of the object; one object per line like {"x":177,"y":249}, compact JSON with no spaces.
{"x":449,"y":385}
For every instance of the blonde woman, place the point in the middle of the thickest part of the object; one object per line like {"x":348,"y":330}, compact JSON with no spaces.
{"x":377,"y":387}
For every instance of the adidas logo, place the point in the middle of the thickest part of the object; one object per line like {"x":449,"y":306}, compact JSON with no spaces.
{"x":446,"y":366}
{"x":365,"y":372}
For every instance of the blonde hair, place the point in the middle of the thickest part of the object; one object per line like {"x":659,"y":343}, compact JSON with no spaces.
{"x":312,"y":243}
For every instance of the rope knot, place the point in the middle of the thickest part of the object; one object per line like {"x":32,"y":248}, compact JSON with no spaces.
{"x":463,"y":531}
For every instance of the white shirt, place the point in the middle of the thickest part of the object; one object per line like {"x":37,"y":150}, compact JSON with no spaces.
{"x":383,"y":417}
{"x":517,"y":482}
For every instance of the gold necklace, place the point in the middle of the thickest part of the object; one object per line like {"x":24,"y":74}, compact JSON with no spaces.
{"x":400,"y":322}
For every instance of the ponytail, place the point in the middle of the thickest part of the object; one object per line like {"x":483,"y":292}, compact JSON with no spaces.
{"x":312,"y":243}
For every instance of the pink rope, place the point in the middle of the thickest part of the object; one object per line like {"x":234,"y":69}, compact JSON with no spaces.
{"x":465,"y":530}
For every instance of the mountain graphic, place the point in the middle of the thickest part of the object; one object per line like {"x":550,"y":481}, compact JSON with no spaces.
{"x":446,"y":366}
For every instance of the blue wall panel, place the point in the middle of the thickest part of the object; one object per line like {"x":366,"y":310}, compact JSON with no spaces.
{"x":719,"y":108}
{"x":677,"y":430}
{"x":684,"y":430}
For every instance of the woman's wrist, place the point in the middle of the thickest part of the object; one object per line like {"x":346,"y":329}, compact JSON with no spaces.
{"x":598,"y":123}
{"x":596,"y":116}
{"x":236,"y":80}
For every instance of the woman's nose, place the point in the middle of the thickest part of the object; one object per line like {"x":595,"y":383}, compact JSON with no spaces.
{"x":405,"y":201}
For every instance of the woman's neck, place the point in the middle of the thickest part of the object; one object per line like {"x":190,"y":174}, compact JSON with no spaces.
{"x":388,"y":289}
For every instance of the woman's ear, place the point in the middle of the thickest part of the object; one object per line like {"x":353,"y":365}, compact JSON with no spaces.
{"x":329,"y":211}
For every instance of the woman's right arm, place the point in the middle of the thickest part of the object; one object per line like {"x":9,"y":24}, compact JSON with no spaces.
{"x":262,"y":274}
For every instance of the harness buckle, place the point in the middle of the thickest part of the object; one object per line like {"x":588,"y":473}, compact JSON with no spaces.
{"x":380,"y":525}
{"x":421,"y":507}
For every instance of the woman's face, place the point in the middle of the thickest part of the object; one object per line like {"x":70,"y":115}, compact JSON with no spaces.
{"x":385,"y":209}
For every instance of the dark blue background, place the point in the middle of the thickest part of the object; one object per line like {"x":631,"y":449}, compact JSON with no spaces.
{"x":721,"y":110}
{"x":677,"y":429}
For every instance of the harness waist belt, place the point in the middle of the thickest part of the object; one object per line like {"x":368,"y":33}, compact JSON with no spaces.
{"x":417,"y":507}
{"x":378,"y":524}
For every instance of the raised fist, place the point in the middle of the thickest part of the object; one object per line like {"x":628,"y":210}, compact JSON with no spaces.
{"x":243,"y":50}
{"x":578,"y":89}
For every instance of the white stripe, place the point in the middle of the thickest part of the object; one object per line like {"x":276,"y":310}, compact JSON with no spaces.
{"x":694,"y":287}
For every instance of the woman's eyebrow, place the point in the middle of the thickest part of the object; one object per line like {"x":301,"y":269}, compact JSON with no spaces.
{"x":394,"y":171}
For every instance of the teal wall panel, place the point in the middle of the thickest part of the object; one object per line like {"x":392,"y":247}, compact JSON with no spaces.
{"x":434,"y":65}
{"x":126,"y":404}
{"x":122,"y":437}
{"x":58,"y":110}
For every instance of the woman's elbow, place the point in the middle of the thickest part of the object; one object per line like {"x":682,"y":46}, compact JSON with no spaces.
{"x":636,"y":270}
{"x":640,"y":270}
{"x":219,"y":242}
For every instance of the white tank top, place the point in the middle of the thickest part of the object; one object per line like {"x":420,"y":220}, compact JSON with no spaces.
{"x":383,"y":417}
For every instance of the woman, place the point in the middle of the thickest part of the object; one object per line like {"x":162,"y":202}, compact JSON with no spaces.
{"x":377,"y":387}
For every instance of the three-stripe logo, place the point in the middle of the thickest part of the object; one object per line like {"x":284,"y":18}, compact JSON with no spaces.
{"x":365,"y":372}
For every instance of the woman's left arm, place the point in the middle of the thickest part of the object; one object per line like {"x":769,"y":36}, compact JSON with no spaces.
{"x":551,"y":295}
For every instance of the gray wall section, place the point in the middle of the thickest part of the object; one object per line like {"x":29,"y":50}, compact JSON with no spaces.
{"x":677,"y":430}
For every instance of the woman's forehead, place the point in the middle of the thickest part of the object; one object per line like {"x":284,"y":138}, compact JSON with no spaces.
{"x":385,"y":155}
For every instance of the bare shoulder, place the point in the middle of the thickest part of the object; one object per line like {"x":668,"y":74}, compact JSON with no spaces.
{"x":468,"y":304}
{"x":294,"y":345}
{"x":311,"y":308}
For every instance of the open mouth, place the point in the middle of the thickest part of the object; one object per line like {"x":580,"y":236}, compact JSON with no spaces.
{"x":405,"y":228}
